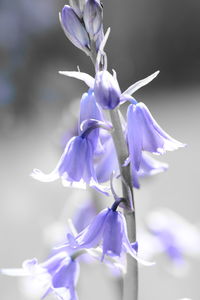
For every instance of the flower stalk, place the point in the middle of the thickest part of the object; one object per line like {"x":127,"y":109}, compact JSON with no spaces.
{"x":130,"y":284}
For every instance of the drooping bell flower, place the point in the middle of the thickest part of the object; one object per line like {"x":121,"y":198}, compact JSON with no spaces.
{"x":74,"y":29}
{"x":144,"y":133}
{"x":58,"y":274}
{"x":75,"y":166}
{"x":109,"y":230}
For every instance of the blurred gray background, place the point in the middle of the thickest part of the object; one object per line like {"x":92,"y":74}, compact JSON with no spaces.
{"x":38,"y":106}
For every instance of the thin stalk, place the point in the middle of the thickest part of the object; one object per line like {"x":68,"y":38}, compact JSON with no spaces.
{"x":130,"y":284}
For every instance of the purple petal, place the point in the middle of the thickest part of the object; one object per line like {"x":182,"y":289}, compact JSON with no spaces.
{"x":92,"y":234}
{"x":52,"y":264}
{"x":112,"y":234}
{"x":135,"y":179}
{"x":155,"y":139}
{"x":89,"y":109}
{"x":66,"y":275}
{"x":134,"y":135}
{"x":151,"y":166}
{"x":106,"y":90}
{"x":74,"y":161}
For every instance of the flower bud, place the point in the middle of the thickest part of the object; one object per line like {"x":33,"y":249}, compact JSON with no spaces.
{"x":93,"y":17}
{"x":106,"y":90}
{"x":74,"y":29}
{"x":77,"y":7}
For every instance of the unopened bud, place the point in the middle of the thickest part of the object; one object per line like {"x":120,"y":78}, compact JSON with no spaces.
{"x":74,"y":29}
{"x":106,"y":90}
{"x":93,"y":17}
{"x":77,"y":7}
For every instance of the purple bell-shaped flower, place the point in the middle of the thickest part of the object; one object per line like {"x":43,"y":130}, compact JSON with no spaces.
{"x":75,"y":166}
{"x":109,"y":230}
{"x":144,"y":133}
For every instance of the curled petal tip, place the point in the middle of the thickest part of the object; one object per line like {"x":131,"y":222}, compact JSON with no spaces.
{"x":39,"y":175}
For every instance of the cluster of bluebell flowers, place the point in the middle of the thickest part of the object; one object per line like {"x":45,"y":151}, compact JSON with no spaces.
{"x":91,"y":157}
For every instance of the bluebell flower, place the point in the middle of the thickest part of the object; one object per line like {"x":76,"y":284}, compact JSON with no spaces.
{"x":109,"y":230}
{"x":75,"y":166}
{"x":144,"y":133}
{"x":74,"y":29}
{"x":58,"y":274}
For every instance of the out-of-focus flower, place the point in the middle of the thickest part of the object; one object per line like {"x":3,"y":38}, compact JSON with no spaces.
{"x":83,"y":216}
{"x":93,"y":18}
{"x":59,"y":274}
{"x":177,"y":236}
{"x":74,"y":29}
{"x":171,"y":235}
{"x":144,"y":133}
